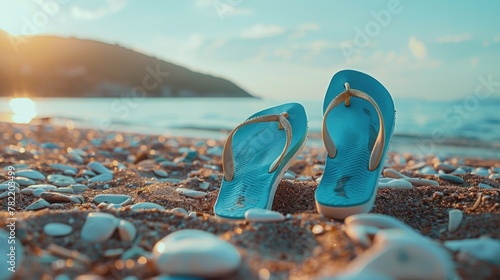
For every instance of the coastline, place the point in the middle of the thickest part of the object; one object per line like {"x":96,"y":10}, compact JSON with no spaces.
{"x":286,"y":250}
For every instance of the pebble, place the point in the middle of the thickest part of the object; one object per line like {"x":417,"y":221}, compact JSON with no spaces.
{"x":452,"y":178}
{"x":127,"y":231}
{"x":395,"y":184}
{"x":37,"y":205}
{"x":46,"y":187}
{"x":289,"y":176}
{"x":428,"y":170}
{"x":204,"y":185}
{"x":191,"y":193}
{"x":445,"y":167}
{"x":391,"y":173}
{"x":418,"y":165}
{"x":79,"y":187}
{"x":360,"y":233}
{"x":69,"y":172}
{"x":160,"y":173}
{"x":146,"y":206}
{"x":113,"y":253}
{"x":422,"y":182}
{"x":55,"y":197}
{"x":455,"y":218}
{"x":5,"y":246}
{"x":304,"y":178}
{"x":75,"y":157}
{"x":63,"y":190}
{"x":30,"y":174}
{"x":99,"y":227}
{"x":62,"y":167}
{"x":24,"y":181}
{"x":57,"y":229}
{"x":484,"y":186}
{"x":180,"y":211}
{"x":494,"y":176}
{"x":486,"y":249}
{"x":379,"y":221}
{"x":170,"y":180}
{"x":60,"y":180}
{"x":481,"y":171}
{"x":263,"y":215}
{"x":111,"y":198}
{"x":88,"y":173}
{"x":195,"y":253}
{"x":38,"y":192}
{"x":104,"y":177}
{"x":98,"y":168}
{"x":459,"y":171}
{"x":6,"y":187}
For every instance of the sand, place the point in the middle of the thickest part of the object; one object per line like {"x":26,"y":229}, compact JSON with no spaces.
{"x":286,"y":250}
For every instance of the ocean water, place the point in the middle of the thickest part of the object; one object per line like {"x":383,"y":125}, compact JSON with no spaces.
{"x":444,"y":128}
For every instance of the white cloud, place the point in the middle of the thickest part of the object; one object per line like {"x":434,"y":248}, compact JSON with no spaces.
{"x":260,"y":31}
{"x":303,"y":29}
{"x":224,"y":8}
{"x":454,"y":38}
{"x":417,"y":48}
{"x":112,"y":6}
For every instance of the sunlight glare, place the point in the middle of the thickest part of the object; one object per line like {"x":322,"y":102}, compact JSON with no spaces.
{"x":23,"y":109}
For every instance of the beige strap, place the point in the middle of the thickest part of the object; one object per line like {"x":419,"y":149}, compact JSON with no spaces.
{"x":378,"y":148}
{"x":227,"y":153}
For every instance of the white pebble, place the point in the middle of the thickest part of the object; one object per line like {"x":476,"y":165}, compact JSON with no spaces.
{"x":455,"y":218}
{"x":263,"y":215}
{"x":191,"y":193}
{"x":146,"y":206}
{"x":395,"y":184}
{"x":195,"y":253}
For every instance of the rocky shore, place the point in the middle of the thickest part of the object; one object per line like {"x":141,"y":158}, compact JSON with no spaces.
{"x":83,"y":204}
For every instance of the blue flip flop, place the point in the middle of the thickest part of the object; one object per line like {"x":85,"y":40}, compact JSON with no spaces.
{"x":256,"y":155}
{"x":358,"y":124}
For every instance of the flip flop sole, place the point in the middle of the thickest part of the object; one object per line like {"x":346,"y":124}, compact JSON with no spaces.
{"x":255,"y":148}
{"x":348,"y":186}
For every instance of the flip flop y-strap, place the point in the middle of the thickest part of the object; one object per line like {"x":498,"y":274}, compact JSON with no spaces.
{"x":227,"y":153}
{"x":378,"y":148}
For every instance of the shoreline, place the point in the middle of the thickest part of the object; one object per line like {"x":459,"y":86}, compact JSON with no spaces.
{"x":283,"y":250}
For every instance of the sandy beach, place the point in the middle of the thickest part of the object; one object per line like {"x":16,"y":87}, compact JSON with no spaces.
{"x":151,"y":169}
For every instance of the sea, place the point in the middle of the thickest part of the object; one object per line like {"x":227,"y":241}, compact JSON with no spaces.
{"x":464,"y":127}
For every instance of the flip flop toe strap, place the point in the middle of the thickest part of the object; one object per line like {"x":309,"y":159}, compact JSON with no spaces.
{"x":227,"y":153}
{"x":378,"y":148}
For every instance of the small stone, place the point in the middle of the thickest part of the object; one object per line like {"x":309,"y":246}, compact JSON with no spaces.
{"x":7,"y":187}
{"x":74,"y":157}
{"x":191,"y":193}
{"x":180,"y":211}
{"x":62,"y":167}
{"x":127,"y":231}
{"x":395,"y":184}
{"x":146,"y":206}
{"x":481,"y":171}
{"x":55,"y":197}
{"x":38,"y":192}
{"x":99,"y":227}
{"x":37,"y":205}
{"x":459,"y":171}
{"x":360,"y":233}
{"x":160,"y":173}
{"x":30,"y":174}
{"x":113,"y":253}
{"x":57,"y":229}
{"x":304,"y":178}
{"x":46,"y":187}
{"x":289,"y":176}
{"x":88,"y":173}
{"x":60,"y":180}
{"x":452,"y":178}
{"x":105,"y":177}
{"x":379,"y":221}
{"x":69,"y":172}
{"x":317,"y":229}
{"x":64,"y":190}
{"x":445,"y":167}
{"x":170,"y":180}
{"x":22,"y":181}
{"x":77,"y":199}
{"x":79,"y":188}
{"x":484,"y":186}
{"x":98,"y":168}
{"x":391,"y":173}
{"x":455,"y":218}
{"x":486,"y":249}
{"x":111,"y":198}
{"x":428,"y":170}
{"x":263,"y":215}
{"x":195,"y":253}
{"x":421,"y":182}
{"x":494,"y":176}
{"x":204,"y":185}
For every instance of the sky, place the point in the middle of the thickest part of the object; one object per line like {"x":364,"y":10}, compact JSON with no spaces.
{"x":285,"y":49}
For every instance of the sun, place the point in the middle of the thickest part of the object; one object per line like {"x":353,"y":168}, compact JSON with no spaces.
{"x":23,"y":109}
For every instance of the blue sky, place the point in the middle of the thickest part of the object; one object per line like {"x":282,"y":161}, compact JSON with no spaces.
{"x":290,"y":49}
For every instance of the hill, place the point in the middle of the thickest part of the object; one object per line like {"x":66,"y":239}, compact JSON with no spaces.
{"x":48,"y":66}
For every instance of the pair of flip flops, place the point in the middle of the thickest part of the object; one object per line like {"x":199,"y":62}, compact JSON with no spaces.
{"x":358,"y":123}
